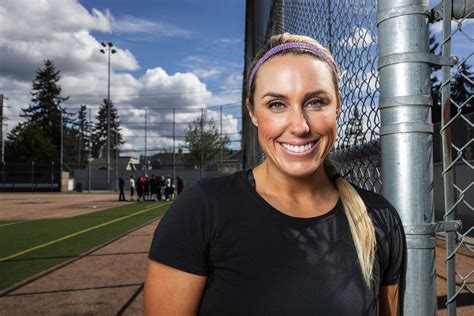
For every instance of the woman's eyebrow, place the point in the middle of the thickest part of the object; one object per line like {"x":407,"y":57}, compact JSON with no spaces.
{"x":274,"y":95}
{"x":307,"y":94}
{"x":316,"y":93}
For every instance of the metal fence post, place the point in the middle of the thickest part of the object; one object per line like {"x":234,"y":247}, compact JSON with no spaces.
{"x":52,"y":175}
{"x":406,"y":142}
{"x":3,"y":175}
{"x":201,"y":127}
{"x":89,"y":167}
{"x":447,"y":160}
{"x":32,"y":176}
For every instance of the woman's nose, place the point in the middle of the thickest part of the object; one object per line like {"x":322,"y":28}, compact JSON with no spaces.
{"x":299,"y":123}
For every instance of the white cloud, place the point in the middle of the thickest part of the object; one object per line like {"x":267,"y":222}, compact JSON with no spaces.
{"x":361,"y":37}
{"x":60,"y":30}
{"x":130,"y":24}
{"x":226,"y":41}
{"x":437,"y":27}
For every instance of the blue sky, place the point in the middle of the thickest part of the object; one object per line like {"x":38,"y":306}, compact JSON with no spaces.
{"x":211,"y":30}
{"x":170,"y":54}
{"x":185,"y":54}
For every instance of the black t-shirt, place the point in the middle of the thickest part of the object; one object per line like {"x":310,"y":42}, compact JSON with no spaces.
{"x":260,"y":261}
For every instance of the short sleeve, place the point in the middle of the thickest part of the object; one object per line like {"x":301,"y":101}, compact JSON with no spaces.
{"x":396,"y":245}
{"x":180,"y":240}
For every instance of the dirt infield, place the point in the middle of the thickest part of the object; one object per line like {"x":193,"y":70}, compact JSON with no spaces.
{"x":28,"y":206}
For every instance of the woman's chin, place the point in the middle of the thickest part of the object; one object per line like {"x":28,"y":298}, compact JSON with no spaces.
{"x":300,"y":170}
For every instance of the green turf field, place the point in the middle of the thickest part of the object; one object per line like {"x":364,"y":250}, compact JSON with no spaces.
{"x":27,"y":248}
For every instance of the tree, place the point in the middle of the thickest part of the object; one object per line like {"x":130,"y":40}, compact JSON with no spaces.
{"x":203,"y":141}
{"x":462,"y":88}
{"x":27,"y":142}
{"x":82,"y":128}
{"x":99,"y":134}
{"x":354,"y":131}
{"x":42,"y":119}
{"x":46,"y":108}
{"x":435,"y":88}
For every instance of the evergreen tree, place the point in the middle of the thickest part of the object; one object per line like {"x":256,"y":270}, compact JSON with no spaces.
{"x":354,"y":131}
{"x":435,"y":89}
{"x":99,"y":133}
{"x":42,"y":120}
{"x":46,"y":108}
{"x":462,"y":88}
{"x":27,"y":142}
{"x":83,"y":129}
{"x":203,"y":141}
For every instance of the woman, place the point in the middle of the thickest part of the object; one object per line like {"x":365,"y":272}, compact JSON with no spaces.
{"x":290,"y":237}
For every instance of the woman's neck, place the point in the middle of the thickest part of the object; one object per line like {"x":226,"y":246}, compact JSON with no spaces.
{"x":297,"y":195}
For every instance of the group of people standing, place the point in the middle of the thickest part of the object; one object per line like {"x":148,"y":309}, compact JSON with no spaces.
{"x":153,"y":188}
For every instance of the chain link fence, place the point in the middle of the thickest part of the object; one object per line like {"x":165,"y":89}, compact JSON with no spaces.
{"x":354,"y":46}
{"x":348,"y":29}
{"x":144,"y":146}
{"x":457,"y":120}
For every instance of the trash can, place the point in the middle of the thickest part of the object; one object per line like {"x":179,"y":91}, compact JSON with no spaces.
{"x":79,"y":187}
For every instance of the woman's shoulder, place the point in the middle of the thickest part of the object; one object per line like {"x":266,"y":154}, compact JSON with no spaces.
{"x":380,"y":210}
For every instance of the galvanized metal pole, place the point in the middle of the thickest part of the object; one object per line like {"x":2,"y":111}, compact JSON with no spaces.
{"x":108,"y":120}
{"x":32,"y":175}
{"x":61,"y":146}
{"x":222,"y":141}
{"x":116,"y":159}
{"x":52,"y":175}
{"x":201,"y":126}
{"x":146,"y":139}
{"x":406,"y":142}
{"x":174,"y":145}
{"x":447,"y":160}
{"x":90,"y":149}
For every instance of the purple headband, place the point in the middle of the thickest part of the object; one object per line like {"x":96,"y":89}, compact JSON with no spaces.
{"x":287,"y":46}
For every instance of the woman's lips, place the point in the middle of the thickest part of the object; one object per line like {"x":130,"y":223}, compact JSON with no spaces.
{"x":299,"y":150}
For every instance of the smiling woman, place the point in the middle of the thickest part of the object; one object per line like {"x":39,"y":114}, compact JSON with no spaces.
{"x":290,"y":236}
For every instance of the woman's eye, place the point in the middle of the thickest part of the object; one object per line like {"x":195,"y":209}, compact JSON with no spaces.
{"x":316,"y":103}
{"x":276,"y":106}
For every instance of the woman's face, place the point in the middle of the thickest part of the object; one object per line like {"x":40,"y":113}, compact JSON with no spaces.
{"x":295,"y":110}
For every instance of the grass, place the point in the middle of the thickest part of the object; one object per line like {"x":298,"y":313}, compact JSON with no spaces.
{"x":22,"y":236}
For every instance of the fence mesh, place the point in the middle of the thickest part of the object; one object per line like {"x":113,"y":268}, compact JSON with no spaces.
{"x":458,"y":98}
{"x":146,"y":142}
{"x":348,"y":30}
{"x":354,"y":46}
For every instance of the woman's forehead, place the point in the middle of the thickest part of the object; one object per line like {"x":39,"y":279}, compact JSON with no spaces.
{"x":289,"y":73}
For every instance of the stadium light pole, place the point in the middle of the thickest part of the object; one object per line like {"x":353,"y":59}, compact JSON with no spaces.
{"x":116,"y":131}
{"x":107,"y":49}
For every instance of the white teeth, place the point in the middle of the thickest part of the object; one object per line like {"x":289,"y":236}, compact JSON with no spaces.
{"x":298,"y":149}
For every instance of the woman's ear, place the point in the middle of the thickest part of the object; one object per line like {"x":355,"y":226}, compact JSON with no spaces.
{"x":252,"y":117}
{"x":254,"y":120}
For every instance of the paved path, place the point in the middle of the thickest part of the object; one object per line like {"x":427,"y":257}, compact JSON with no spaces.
{"x":109,"y":281}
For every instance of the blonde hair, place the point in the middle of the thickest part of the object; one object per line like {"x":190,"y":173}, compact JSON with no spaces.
{"x":360,"y":224}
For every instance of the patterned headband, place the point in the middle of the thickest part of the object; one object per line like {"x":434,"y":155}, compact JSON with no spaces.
{"x":287,"y":46}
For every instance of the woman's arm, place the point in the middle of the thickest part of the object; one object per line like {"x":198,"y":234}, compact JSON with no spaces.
{"x":388,"y":300}
{"x":169,"y":291}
